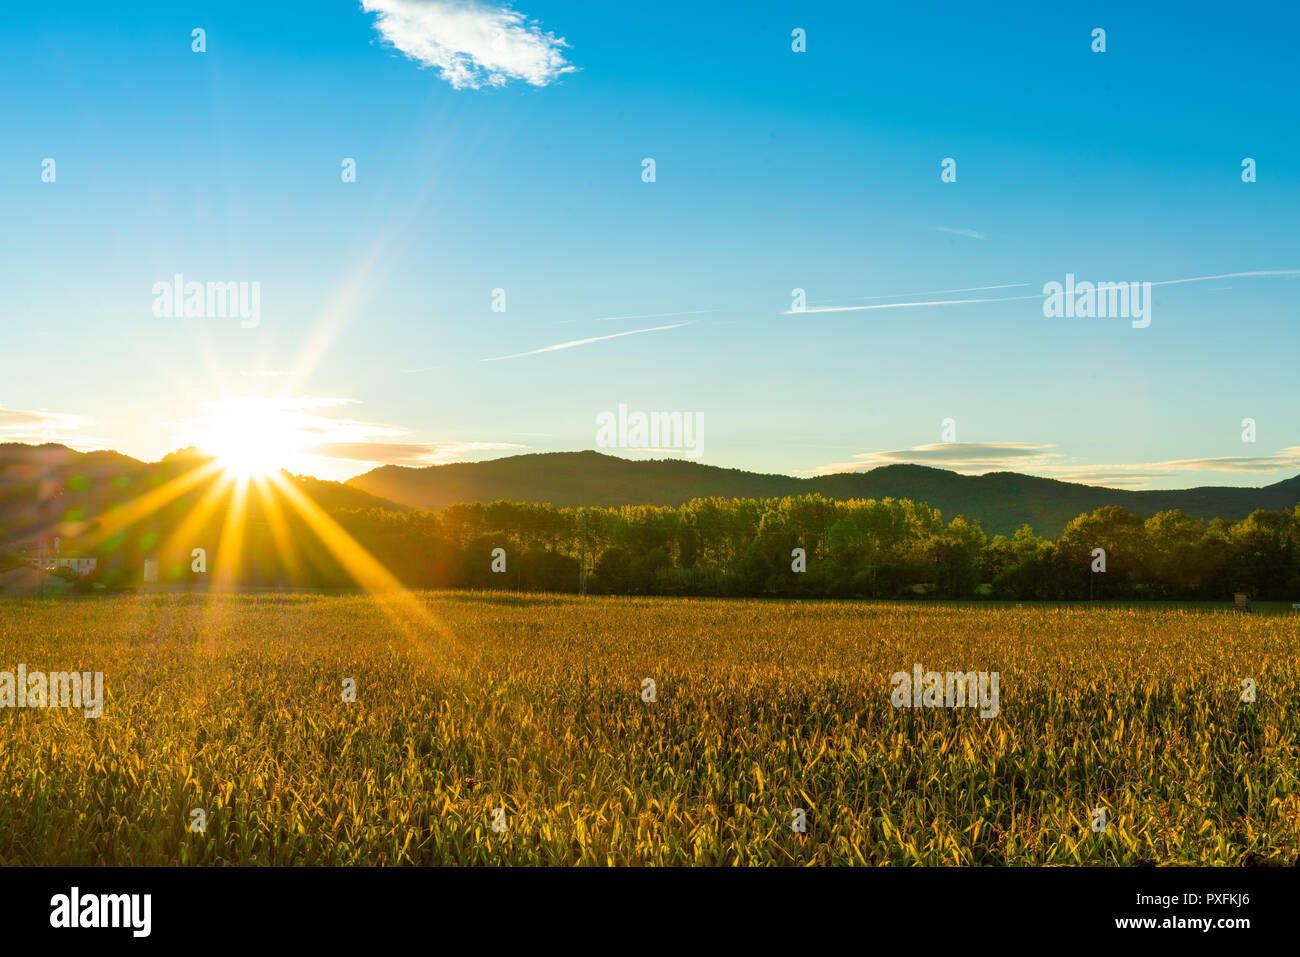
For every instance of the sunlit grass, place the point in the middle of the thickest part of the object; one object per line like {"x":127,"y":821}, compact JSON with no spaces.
{"x":469,"y":702}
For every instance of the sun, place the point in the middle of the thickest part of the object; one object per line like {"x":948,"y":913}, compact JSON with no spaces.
{"x":247,"y":456}
{"x":250,"y":438}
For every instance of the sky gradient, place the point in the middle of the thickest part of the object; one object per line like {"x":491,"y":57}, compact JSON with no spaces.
{"x":492,"y":156}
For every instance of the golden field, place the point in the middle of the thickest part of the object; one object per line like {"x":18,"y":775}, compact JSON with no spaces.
{"x":466,"y":702}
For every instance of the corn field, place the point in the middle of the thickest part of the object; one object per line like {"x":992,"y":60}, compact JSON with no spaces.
{"x":492,"y":729}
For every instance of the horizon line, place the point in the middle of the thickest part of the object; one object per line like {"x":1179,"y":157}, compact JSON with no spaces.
{"x":605,"y":454}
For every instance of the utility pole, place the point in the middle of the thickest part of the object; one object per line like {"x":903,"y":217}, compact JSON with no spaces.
{"x":582,"y":573}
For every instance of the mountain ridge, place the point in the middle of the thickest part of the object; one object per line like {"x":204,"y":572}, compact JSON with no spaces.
{"x":1000,"y":501}
{"x":41,"y":485}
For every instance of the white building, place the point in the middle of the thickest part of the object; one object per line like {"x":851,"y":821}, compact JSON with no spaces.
{"x":82,"y":566}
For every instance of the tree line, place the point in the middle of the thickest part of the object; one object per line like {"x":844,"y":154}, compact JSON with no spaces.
{"x":851,"y":549}
{"x":887,"y":548}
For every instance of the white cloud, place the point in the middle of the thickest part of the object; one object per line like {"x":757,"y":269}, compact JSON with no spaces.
{"x":25,"y":419}
{"x":470,"y":42}
{"x":960,"y":231}
{"x":1287,"y":458}
{"x":978,"y":458}
{"x":41,"y":427}
{"x":314,"y":434}
{"x":396,"y":453}
{"x":1129,"y":480}
{"x":959,"y":456}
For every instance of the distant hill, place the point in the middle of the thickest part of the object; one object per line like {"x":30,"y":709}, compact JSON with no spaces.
{"x":1000,"y":501}
{"x":53,"y":490}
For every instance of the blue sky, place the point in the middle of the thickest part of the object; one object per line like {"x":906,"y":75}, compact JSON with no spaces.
{"x":518,"y":166}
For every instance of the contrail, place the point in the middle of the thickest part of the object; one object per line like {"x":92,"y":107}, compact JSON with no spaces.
{"x":582,"y":342}
{"x":900,"y":305}
{"x":1231,"y":275}
{"x":939,"y":292}
{"x":958,"y":302}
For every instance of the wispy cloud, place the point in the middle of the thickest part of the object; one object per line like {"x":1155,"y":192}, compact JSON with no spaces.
{"x":977,"y":458}
{"x":1129,"y":480}
{"x":315,"y":428}
{"x":960,"y":231}
{"x":471,"y":43}
{"x":1287,"y":458}
{"x":958,"y":456}
{"x":307,"y":420}
{"x":573,"y":343}
{"x":1241,"y":463}
{"x":397,"y":453}
{"x":26,"y":419}
{"x":39,"y":427}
